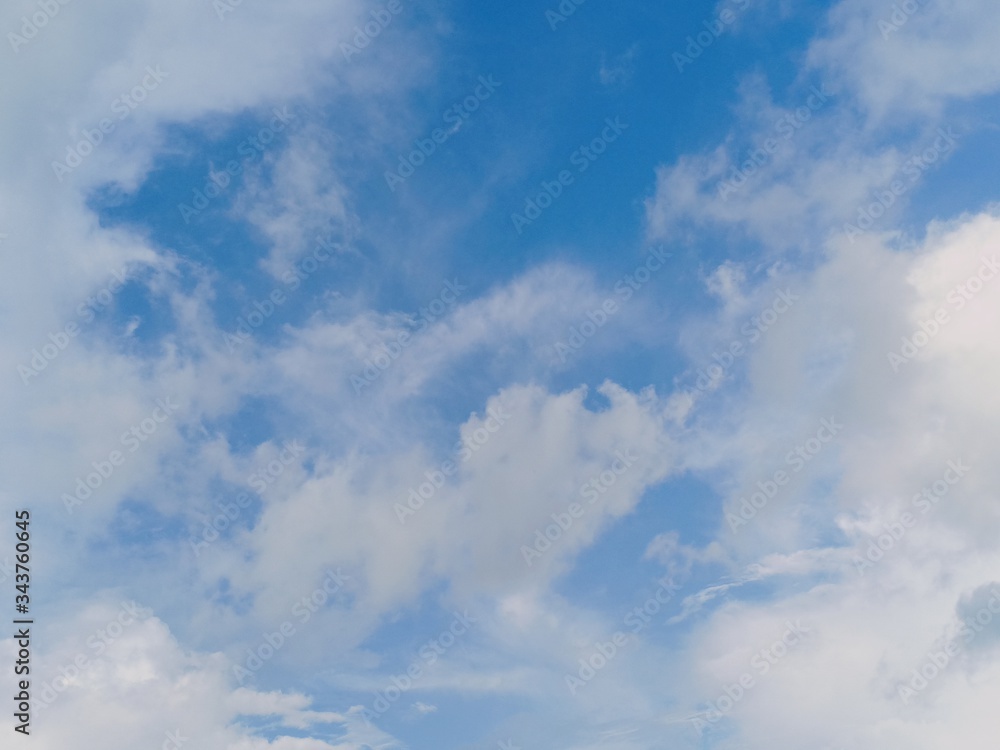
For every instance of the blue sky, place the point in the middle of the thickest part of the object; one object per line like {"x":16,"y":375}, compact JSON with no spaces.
{"x":587,"y":366}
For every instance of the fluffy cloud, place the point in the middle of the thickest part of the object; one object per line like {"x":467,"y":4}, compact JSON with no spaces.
{"x":893,"y":523}
{"x":116,"y":654}
{"x":879,"y":541}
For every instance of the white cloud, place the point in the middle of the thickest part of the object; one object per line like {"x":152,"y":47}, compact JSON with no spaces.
{"x":336,"y":505}
{"x":876,"y":615}
{"x":830,"y":152}
{"x":138,"y":679}
{"x":910,"y":58}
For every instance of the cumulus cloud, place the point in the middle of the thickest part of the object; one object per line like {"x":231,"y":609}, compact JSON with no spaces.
{"x":840,"y":409}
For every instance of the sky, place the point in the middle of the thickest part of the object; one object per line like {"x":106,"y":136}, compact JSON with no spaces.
{"x":584,"y":375}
